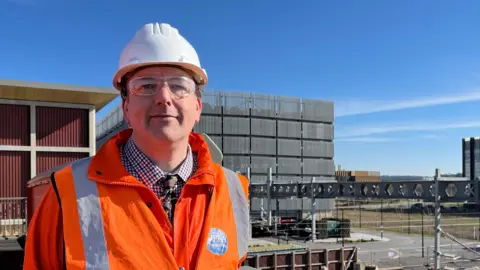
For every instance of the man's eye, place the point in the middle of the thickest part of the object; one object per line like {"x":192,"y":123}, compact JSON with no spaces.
{"x":150,"y":87}
{"x":177,"y":87}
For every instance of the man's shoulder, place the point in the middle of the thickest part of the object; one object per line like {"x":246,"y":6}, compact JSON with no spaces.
{"x":76,"y":164}
{"x":219,"y":167}
{"x":244,"y":181}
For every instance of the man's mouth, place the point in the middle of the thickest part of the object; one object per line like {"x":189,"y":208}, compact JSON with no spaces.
{"x":162,"y":116}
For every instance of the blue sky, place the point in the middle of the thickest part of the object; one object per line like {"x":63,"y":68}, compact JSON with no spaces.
{"x":404,"y":75}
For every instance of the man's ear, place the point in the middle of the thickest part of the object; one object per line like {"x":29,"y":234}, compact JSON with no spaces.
{"x":125,"y":110}
{"x":199,"y":106}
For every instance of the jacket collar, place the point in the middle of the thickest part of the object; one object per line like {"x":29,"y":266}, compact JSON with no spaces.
{"x":107,"y":167}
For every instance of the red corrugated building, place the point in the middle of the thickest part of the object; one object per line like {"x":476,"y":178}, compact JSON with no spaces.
{"x":43,"y":125}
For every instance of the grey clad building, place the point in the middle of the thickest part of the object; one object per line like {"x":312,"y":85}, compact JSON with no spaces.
{"x":292,"y":136}
{"x":471,"y":157}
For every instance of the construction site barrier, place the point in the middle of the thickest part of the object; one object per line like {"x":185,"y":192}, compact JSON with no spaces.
{"x":331,"y":259}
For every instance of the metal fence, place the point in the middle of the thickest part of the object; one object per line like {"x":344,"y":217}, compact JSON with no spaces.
{"x":286,"y":207}
{"x":13,"y":213}
{"x":388,"y":243}
{"x":400,"y":217}
{"x":110,"y":122}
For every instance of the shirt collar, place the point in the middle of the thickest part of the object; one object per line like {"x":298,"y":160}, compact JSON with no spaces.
{"x":146,"y":169}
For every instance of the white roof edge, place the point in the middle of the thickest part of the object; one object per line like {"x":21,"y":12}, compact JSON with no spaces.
{"x":57,"y":86}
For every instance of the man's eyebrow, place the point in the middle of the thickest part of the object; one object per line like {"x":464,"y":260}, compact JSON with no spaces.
{"x":146,"y":77}
{"x":162,"y":75}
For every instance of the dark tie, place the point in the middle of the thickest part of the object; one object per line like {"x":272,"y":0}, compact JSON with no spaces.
{"x":169,"y":195}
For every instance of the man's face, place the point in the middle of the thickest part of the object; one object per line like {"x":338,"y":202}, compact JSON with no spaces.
{"x":161,"y":116}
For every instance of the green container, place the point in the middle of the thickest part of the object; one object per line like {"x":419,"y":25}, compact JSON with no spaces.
{"x":332,"y":228}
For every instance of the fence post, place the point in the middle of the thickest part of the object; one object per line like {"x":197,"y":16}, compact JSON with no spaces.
{"x":437,"y":220}
{"x":423,"y":240}
{"x":314,"y":221}
{"x":360,"y":214}
{"x":336,"y":206}
{"x":381,"y":219}
{"x":409,"y":211}
{"x":269,"y":189}
{"x":478,"y":209}
{"x":343,"y":229}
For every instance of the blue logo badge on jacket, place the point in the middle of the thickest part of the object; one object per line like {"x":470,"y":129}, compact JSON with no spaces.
{"x":217,"y":242}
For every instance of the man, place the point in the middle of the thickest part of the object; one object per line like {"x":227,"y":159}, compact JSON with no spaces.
{"x":151,"y":198}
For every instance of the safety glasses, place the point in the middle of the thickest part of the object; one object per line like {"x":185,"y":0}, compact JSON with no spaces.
{"x":178,"y":86}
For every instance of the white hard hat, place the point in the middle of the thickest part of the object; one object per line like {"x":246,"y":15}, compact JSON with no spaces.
{"x":162,"y":44}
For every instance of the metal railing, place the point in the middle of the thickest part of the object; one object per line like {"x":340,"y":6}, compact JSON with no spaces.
{"x":13,"y":217}
{"x":112,"y":120}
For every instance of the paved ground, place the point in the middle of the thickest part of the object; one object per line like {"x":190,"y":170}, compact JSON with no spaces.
{"x":402,"y":249}
{"x":355,"y":237}
{"x":9,"y":245}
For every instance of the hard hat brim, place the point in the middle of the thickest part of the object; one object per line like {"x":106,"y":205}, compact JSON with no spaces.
{"x":198,"y":73}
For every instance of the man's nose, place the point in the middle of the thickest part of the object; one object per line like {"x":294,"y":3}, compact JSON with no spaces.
{"x":163,"y":95}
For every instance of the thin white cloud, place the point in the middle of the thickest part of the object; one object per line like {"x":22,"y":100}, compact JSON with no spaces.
{"x":367,"y":139}
{"x":355,"y":107}
{"x":430,"y":137}
{"x":370,"y":139}
{"x":358,"y":131}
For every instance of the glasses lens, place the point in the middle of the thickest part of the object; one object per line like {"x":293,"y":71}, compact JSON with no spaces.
{"x":147,"y":86}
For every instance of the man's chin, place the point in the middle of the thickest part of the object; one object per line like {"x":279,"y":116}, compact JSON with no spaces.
{"x":165,"y":136}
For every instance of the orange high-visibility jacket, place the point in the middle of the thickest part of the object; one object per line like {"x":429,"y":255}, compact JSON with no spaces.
{"x":110,"y":220}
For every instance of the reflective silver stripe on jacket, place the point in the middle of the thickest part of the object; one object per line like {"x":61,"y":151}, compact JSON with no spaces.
{"x":241,"y":212}
{"x":90,"y":215}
